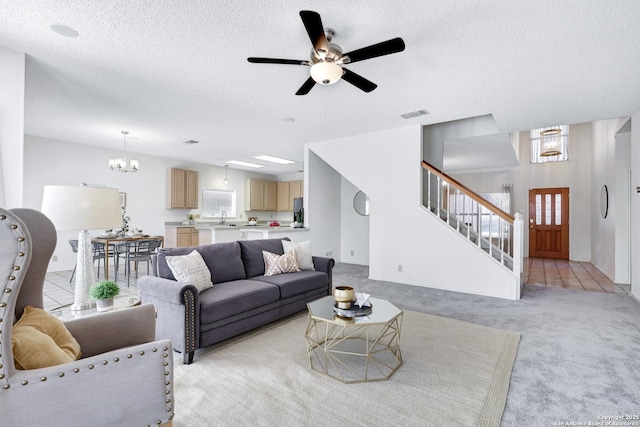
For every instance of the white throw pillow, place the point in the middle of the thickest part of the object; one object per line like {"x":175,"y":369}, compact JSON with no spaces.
{"x":304,"y":258}
{"x":190,"y":269}
{"x":278,"y":264}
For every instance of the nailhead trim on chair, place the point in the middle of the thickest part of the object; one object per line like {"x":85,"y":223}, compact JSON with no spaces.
{"x":8,"y":286}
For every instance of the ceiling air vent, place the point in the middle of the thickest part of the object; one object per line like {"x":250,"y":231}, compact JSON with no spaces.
{"x":191,"y":142}
{"x":413,"y":114}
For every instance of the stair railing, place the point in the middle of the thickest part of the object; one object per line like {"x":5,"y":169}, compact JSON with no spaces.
{"x":495,"y":232}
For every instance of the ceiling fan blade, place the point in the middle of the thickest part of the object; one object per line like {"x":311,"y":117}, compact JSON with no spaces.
{"x":276,"y":61}
{"x":358,"y":81}
{"x":379,"y":49}
{"x":306,"y":87}
{"x":313,"y":24}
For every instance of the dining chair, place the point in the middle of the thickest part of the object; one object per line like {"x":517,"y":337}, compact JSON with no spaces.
{"x":134,"y":252}
{"x":99,"y":254}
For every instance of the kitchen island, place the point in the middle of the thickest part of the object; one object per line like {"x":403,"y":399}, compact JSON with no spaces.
{"x":227,"y":233}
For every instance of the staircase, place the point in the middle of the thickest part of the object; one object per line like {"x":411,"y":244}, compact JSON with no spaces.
{"x":496,"y":233}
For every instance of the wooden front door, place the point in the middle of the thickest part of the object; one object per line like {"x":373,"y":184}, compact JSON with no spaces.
{"x":549,"y":223}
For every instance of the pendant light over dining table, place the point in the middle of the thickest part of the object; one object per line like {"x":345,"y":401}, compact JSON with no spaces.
{"x":120,"y":163}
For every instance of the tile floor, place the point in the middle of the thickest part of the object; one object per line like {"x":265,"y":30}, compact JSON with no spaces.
{"x":59,"y":292}
{"x":575,"y":275}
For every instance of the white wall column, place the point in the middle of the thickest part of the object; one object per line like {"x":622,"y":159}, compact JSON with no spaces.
{"x":12,"y":65}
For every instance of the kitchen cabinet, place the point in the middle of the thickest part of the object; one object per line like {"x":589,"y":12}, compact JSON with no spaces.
{"x":254,"y":195}
{"x":270,"y":196}
{"x":287,"y":191}
{"x":260,"y":195}
{"x":284,"y":201}
{"x":295,"y":191}
{"x":177,"y":237}
{"x":182,"y":188}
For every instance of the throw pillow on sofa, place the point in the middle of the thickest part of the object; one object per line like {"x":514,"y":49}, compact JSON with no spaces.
{"x":278,"y":264}
{"x":304,"y":258}
{"x":190,"y":269}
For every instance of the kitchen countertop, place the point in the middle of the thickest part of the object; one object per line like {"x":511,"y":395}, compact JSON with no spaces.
{"x":238,"y":226}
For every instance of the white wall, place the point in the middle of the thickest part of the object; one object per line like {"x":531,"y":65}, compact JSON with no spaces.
{"x":386,"y":166}
{"x":622,"y":201}
{"x":603,"y":172}
{"x":11,"y":127}
{"x":354,"y":228}
{"x":322,"y":208}
{"x":635,"y":204}
{"x":49,"y":161}
{"x":566,"y":174}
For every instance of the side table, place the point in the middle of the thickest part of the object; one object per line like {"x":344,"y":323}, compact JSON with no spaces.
{"x":119,"y":302}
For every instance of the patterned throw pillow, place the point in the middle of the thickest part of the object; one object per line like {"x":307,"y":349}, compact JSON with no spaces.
{"x":304,"y":258}
{"x":191,"y":269}
{"x":278,"y":264}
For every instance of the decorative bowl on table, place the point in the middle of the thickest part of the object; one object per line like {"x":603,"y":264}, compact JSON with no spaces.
{"x":344,"y":296}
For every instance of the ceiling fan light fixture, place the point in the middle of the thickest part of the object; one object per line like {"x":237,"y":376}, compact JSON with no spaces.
{"x":326,"y":73}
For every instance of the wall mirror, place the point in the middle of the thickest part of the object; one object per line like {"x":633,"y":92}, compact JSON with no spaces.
{"x":361,"y":203}
{"x":604,"y":201}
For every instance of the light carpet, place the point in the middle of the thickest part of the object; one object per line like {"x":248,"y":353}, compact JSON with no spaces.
{"x":454,"y":374}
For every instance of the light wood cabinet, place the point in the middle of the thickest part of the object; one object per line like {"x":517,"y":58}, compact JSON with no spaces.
{"x":295,"y":191}
{"x":254,"y":195}
{"x":177,"y":237}
{"x":182,"y":189}
{"x":270,"y":196}
{"x":260,"y":195}
{"x":284,"y":200}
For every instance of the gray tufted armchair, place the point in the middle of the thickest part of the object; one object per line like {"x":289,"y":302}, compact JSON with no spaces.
{"x":124,"y":378}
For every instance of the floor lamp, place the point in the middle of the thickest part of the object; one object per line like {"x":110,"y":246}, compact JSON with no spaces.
{"x":85,"y":208}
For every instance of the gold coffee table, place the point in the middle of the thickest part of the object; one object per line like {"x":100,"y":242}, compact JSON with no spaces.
{"x":354,"y":350}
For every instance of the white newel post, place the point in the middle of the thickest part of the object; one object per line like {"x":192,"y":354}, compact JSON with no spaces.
{"x":518,"y":250}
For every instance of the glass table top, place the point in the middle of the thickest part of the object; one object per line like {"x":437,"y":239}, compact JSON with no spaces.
{"x":382,"y":312}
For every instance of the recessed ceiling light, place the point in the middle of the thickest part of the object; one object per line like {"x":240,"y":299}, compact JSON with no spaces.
{"x":64,"y":30}
{"x":247,"y":164}
{"x":273,"y":159}
{"x":289,"y":120}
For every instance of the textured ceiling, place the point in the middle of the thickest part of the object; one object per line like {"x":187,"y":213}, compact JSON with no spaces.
{"x":169,"y":71}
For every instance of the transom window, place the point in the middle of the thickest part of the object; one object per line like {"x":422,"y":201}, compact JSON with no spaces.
{"x":550,"y":144}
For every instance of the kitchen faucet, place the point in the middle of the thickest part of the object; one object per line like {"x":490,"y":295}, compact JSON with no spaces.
{"x":223,"y":214}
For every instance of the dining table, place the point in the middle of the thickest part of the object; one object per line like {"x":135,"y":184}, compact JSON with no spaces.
{"x":115,"y":241}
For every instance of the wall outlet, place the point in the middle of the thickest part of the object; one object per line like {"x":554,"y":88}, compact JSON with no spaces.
{"x":400,"y":268}
{"x":352,"y":252}
{"x":327,"y":253}
{"x":54,"y":258}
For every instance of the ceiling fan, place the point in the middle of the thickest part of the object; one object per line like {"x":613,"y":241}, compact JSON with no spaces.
{"x":327,"y":58}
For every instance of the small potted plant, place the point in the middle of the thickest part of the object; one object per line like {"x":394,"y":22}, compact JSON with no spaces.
{"x":103,"y":292}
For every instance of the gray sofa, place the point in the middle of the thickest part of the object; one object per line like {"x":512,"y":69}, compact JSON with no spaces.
{"x":241,"y":299}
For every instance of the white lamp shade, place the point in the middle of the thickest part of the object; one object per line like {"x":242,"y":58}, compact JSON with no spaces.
{"x":82,"y":207}
{"x":326,"y":73}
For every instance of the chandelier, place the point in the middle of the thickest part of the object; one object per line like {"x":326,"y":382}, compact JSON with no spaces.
{"x":550,"y":142}
{"x":120,"y":163}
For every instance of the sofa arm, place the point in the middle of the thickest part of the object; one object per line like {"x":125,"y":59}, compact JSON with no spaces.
{"x":325,"y":265}
{"x":178,"y":312}
{"x":114,"y":330}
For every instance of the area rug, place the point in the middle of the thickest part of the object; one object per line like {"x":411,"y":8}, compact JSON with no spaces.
{"x":454,"y":374}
